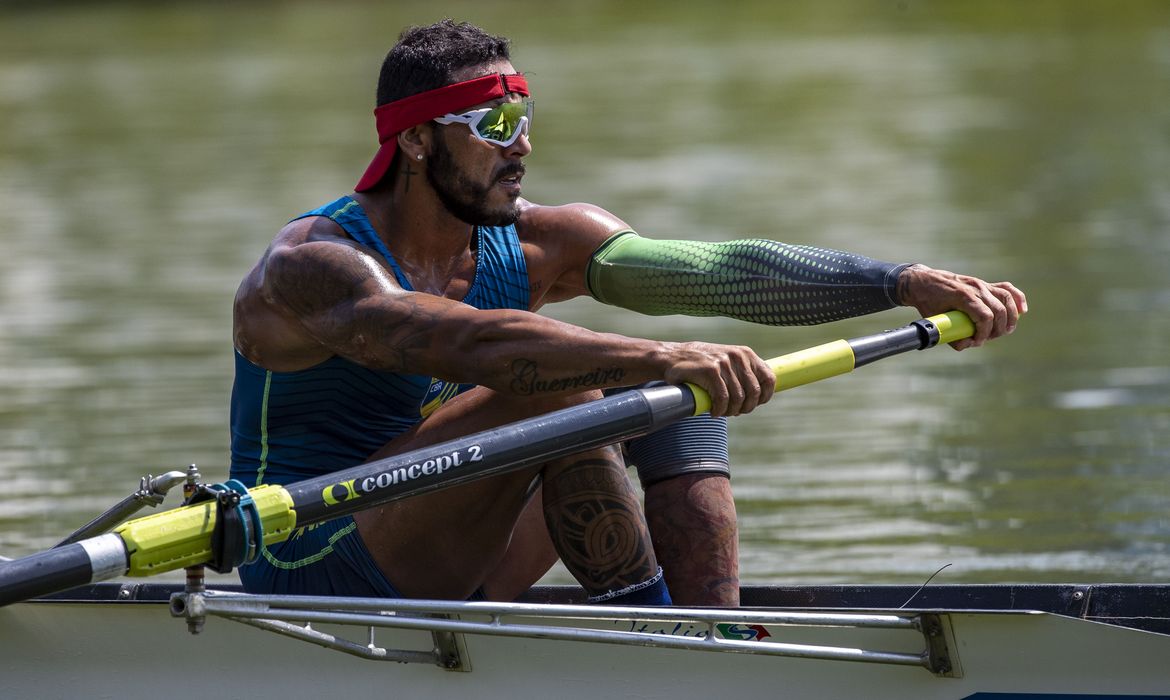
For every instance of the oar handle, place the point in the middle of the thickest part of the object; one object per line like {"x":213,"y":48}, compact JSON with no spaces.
{"x":952,"y":326}
{"x":841,"y":357}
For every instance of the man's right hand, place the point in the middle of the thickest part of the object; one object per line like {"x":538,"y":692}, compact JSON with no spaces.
{"x":735,"y":377}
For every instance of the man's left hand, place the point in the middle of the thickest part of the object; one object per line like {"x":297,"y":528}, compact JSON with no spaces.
{"x":994,"y":307}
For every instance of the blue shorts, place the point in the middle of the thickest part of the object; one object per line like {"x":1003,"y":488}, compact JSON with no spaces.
{"x":325,"y":559}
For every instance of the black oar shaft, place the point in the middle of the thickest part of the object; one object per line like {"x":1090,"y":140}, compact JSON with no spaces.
{"x":919,"y":335}
{"x":61,"y":568}
{"x":496,"y":451}
{"x":507,"y":448}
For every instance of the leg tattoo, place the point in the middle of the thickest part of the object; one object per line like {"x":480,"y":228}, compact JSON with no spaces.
{"x":596,"y":523}
{"x":693,"y":520}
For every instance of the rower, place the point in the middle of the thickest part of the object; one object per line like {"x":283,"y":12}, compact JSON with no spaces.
{"x":404,"y":315}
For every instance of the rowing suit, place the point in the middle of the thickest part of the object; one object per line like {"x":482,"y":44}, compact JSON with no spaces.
{"x":289,"y":426}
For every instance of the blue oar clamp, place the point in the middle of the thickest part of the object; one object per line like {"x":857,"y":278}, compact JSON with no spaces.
{"x":239,"y":532}
{"x":928,"y":333}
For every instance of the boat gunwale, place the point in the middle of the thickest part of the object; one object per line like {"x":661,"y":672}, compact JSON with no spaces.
{"x":1132,"y":605}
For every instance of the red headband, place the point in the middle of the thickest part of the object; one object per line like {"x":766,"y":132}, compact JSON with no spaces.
{"x":395,"y":117}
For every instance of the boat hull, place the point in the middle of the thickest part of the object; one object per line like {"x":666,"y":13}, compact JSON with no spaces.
{"x":127,"y":648}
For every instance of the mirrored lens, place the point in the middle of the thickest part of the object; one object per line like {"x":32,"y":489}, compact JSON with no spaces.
{"x":501,"y":123}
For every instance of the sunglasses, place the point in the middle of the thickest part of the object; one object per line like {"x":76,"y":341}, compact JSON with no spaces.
{"x":500,"y":125}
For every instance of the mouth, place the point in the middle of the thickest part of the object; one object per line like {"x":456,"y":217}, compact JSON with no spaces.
{"x":512,"y":171}
{"x":511,"y":181}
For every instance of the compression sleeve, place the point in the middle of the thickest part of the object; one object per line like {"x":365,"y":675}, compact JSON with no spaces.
{"x":753,"y":280}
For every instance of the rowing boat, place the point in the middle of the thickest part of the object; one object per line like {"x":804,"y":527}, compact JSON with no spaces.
{"x":67,"y":630}
{"x":985,"y":642}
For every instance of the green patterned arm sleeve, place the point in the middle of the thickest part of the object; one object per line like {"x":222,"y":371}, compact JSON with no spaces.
{"x":753,"y":280}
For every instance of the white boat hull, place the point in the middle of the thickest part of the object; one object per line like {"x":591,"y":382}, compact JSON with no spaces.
{"x":127,"y":649}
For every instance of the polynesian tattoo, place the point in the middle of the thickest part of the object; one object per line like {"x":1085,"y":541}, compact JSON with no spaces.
{"x":597,"y":526}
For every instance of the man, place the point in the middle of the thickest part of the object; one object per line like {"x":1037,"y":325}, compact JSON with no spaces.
{"x":403,"y":315}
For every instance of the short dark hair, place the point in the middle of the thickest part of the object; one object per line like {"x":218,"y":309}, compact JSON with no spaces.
{"x":426,"y":58}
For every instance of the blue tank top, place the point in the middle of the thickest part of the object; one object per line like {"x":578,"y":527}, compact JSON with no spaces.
{"x":288,"y":426}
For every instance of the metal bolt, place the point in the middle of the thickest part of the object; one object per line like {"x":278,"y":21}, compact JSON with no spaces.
{"x":1078,"y":595}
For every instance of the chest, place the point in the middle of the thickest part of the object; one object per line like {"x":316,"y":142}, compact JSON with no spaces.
{"x":452,"y":280}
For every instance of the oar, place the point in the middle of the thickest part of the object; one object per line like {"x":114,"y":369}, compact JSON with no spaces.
{"x":182,"y":537}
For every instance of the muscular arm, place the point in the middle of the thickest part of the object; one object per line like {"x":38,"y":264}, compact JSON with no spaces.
{"x":341,"y":301}
{"x":756,"y":280}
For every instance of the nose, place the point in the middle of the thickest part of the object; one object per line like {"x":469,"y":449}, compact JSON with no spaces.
{"x":520,"y":148}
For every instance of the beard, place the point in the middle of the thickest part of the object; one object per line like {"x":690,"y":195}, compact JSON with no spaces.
{"x":466,"y":199}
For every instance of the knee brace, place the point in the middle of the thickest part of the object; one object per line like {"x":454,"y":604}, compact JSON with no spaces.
{"x":693,"y":445}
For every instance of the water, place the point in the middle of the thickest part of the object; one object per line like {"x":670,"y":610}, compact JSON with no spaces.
{"x":148,"y":153}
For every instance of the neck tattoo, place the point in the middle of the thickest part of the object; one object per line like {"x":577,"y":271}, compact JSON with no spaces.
{"x":408,"y":172}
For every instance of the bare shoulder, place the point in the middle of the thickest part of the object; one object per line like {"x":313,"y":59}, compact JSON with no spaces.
{"x":558,"y":242}
{"x":578,"y":220}
{"x":304,"y":256}
{"x":309,"y":269}
{"x":315,"y":265}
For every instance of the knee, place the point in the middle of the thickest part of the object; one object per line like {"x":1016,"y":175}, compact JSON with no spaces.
{"x":697,"y":445}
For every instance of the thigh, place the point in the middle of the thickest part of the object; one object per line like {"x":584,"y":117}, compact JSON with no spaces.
{"x":443,"y":544}
{"x":530,"y":555}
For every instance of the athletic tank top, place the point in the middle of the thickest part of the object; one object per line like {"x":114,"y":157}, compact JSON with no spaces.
{"x":288,"y":426}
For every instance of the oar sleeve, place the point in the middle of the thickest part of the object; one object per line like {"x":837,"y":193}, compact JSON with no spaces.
{"x":752,"y":280}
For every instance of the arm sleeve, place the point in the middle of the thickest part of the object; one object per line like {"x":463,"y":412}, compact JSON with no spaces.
{"x":753,"y":280}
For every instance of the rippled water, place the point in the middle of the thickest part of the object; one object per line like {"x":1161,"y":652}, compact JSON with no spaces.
{"x":147,"y":155}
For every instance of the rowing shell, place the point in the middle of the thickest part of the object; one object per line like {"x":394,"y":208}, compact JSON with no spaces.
{"x":1046,"y":642}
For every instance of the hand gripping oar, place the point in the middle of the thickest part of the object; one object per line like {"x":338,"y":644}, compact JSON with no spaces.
{"x":188,"y":536}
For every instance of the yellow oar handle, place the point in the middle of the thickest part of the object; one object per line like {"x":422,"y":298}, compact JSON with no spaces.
{"x":831,"y":359}
{"x":952,"y":326}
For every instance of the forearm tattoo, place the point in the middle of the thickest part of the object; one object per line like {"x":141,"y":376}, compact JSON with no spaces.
{"x":597,"y":526}
{"x":528,"y":381}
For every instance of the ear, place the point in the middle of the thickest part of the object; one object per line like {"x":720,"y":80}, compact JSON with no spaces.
{"x":416,"y":140}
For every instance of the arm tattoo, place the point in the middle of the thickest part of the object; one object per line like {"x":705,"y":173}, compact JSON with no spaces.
{"x":528,"y":381}
{"x":334,"y":291}
{"x":903,"y":285}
